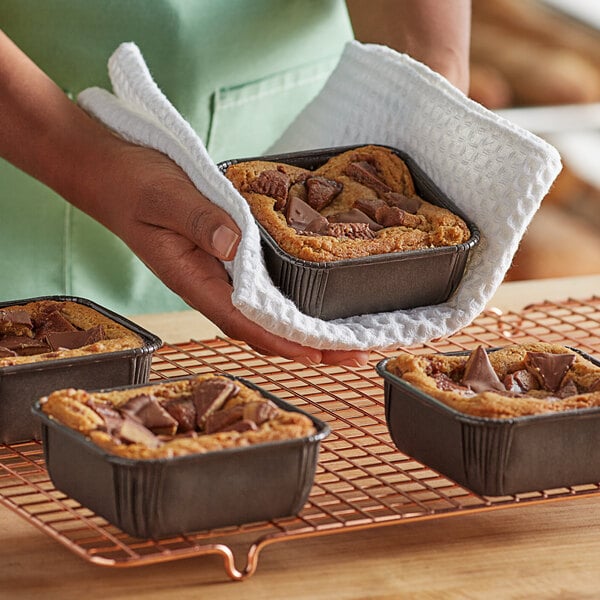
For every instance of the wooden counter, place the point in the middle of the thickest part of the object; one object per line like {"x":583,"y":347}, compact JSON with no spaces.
{"x":549,"y":550}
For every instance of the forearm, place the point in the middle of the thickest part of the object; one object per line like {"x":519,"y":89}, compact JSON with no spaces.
{"x":47,"y":135}
{"x":435,"y":32}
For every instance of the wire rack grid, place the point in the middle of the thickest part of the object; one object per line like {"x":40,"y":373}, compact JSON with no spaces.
{"x":362,"y":480}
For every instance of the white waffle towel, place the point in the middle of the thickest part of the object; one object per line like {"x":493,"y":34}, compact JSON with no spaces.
{"x":496,"y":172}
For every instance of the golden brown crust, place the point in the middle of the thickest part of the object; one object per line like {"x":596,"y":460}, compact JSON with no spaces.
{"x":82,"y":317}
{"x":436,"y":226}
{"x":419,"y":370}
{"x":71,"y":407}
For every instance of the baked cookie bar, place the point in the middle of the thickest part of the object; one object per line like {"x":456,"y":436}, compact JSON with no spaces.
{"x":517,"y":380}
{"x":361,"y":202}
{"x":175,"y":418}
{"x":50,"y":329}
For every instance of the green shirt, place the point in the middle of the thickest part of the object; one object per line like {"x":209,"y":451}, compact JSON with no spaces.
{"x":237,"y":70}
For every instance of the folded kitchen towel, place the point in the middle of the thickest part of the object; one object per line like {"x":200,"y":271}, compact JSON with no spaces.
{"x":496,"y":172}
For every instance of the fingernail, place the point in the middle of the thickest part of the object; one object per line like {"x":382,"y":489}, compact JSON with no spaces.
{"x":355,"y":362}
{"x":305,"y":360}
{"x":224,"y":240}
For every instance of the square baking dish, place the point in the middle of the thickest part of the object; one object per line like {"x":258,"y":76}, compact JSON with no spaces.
{"x":21,"y":385}
{"x":403,"y":280}
{"x":154,"y":498}
{"x":493,"y":457}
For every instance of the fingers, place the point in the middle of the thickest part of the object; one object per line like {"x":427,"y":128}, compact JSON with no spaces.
{"x":235,"y":325}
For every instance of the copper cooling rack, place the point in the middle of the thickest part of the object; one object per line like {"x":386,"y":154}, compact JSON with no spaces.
{"x":362,"y":481}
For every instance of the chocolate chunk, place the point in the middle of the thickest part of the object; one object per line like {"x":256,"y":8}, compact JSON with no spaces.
{"x":15,"y":316}
{"x":595,"y":387}
{"x":183,"y":411}
{"x":479,"y":374}
{"x":354,"y":231}
{"x":5,"y":352}
{"x":147,"y":410}
{"x":272,"y":183}
{"x":391,"y":216}
{"x":259,"y":412}
{"x":408,"y":204}
{"x":220,"y":419}
{"x":210,"y":395}
{"x":446,"y":383}
{"x":520,"y":381}
{"x":303,"y":218}
{"x":111,"y":416}
{"x":369,"y":206}
{"x":54,"y":322}
{"x":354,"y":215}
{"x":366,"y":173}
{"x":549,"y":368}
{"x":24,"y":345}
{"x":75,"y":339}
{"x":15,"y":322}
{"x":134,"y":432}
{"x":321,"y":191}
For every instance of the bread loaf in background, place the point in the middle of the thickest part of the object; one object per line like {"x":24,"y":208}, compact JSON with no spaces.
{"x":538,"y":56}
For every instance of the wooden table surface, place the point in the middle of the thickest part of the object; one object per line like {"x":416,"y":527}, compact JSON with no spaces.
{"x":548,"y":550}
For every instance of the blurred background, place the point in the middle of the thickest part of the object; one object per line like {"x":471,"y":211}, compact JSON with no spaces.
{"x":537,"y":63}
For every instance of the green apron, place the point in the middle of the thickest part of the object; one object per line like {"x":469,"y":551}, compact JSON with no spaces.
{"x":237,"y":70}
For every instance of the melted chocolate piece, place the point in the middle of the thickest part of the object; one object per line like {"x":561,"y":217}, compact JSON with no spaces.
{"x":391,"y":216}
{"x":221,"y":419}
{"x":595,"y":387}
{"x":134,"y":432}
{"x":303,"y":218}
{"x":210,"y":395}
{"x":54,"y":322}
{"x":15,"y":317}
{"x":354,"y":215}
{"x":24,"y":345}
{"x":521,"y":381}
{"x":272,"y":183}
{"x":5,"y":352}
{"x":321,"y":191}
{"x":111,"y":416}
{"x":408,"y":204}
{"x":479,"y":374}
{"x":550,"y":368}
{"x":147,"y":410}
{"x":183,"y":411}
{"x":364,"y":172}
{"x":15,"y":323}
{"x":446,"y":383}
{"x":369,"y":206}
{"x":71,"y":340}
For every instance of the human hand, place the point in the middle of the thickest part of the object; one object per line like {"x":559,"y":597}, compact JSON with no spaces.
{"x":151,"y":204}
